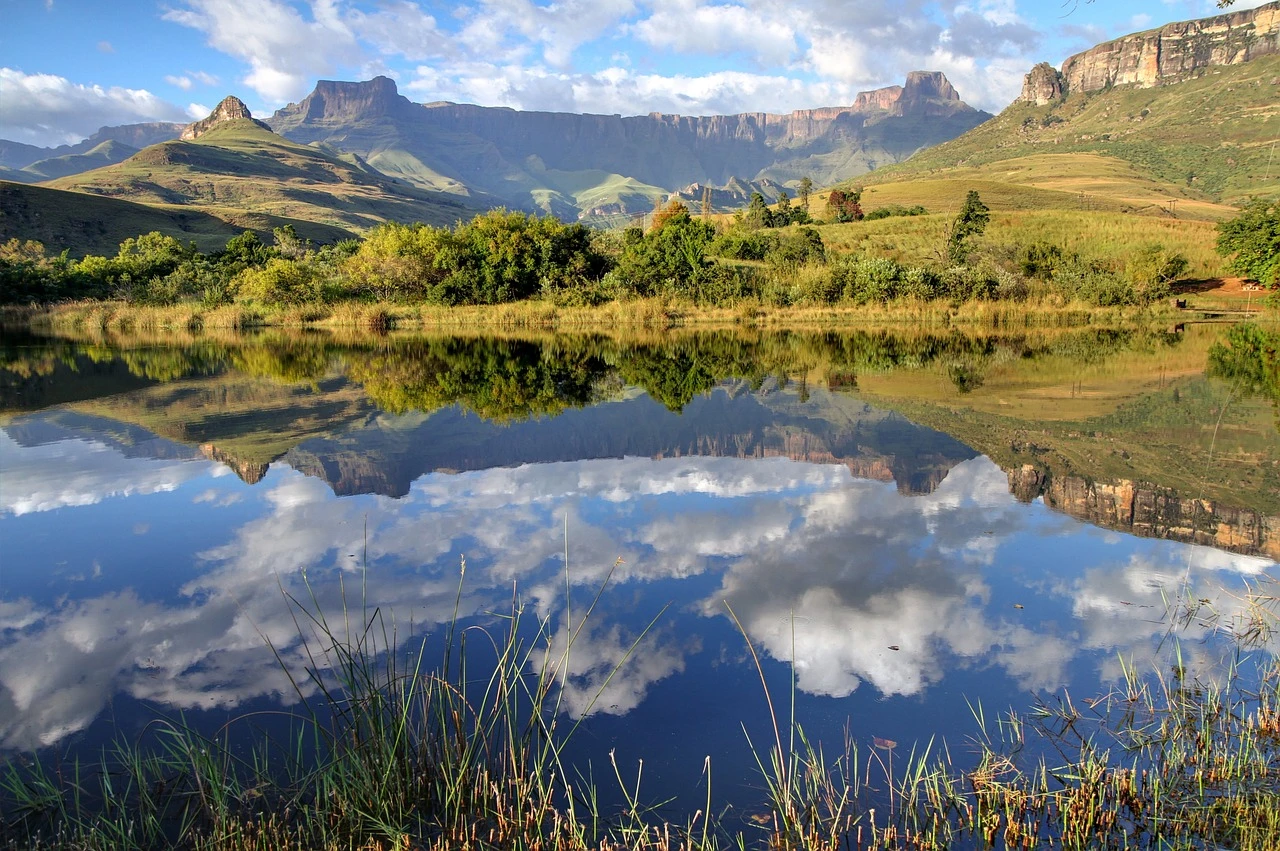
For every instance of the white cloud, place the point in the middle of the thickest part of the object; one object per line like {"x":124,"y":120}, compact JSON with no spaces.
{"x":45,"y":109}
{"x":197,"y":111}
{"x":285,"y":51}
{"x":183,"y":83}
{"x":81,"y":472}
{"x":687,"y":27}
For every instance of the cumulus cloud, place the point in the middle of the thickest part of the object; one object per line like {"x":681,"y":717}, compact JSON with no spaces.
{"x":825,"y":571}
{"x":81,"y":472}
{"x":531,"y":55}
{"x":45,"y":109}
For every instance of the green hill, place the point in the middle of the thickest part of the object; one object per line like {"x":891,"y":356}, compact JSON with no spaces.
{"x":237,"y":167}
{"x":89,"y":224}
{"x":107,"y":153}
{"x":1206,"y":139}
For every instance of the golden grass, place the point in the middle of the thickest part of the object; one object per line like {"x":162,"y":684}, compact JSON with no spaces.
{"x":96,"y":318}
{"x":1108,"y":237}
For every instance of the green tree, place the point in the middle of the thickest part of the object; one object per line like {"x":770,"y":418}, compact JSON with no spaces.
{"x":1253,"y":240}
{"x":758,"y":214}
{"x":970,"y":222}
{"x":806,"y":187}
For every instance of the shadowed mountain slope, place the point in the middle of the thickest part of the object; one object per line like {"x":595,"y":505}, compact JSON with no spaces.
{"x":601,"y":165}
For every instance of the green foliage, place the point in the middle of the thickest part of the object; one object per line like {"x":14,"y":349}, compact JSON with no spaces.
{"x":667,"y":259}
{"x":806,"y":188}
{"x":280,"y":282}
{"x":1151,"y":269}
{"x":738,"y":243}
{"x":895,"y":210}
{"x":795,"y":247}
{"x":1040,"y":260}
{"x":1250,"y":358}
{"x":1093,"y":283}
{"x":1253,"y":241}
{"x":844,"y":206}
{"x":496,"y":257}
{"x":969,"y":222}
{"x":28,"y":275}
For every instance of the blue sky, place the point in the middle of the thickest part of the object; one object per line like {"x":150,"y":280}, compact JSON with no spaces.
{"x":68,"y":67}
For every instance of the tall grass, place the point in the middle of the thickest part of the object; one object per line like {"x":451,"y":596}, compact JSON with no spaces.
{"x":395,"y":750}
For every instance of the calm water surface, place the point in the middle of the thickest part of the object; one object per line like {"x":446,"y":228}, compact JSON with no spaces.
{"x":910,"y":524}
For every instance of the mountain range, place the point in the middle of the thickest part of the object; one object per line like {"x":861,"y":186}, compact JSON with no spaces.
{"x":1188,"y":111}
{"x":1192,"y":108}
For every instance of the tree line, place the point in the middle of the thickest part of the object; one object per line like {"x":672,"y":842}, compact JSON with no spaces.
{"x":773,"y":256}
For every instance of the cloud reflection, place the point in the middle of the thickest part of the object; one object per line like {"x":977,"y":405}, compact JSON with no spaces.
{"x":822,"y":569}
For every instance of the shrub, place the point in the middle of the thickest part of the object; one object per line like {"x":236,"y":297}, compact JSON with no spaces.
{"x":1253,"y":240}
{"x":1151,"y":270}
{"x":794,"y":247}
{"x":279,"y":282}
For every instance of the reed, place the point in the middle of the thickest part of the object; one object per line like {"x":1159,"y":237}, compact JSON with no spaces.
{"x":391,"y":749}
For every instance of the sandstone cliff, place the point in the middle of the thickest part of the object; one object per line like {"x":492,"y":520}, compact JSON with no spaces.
{"x":1169,"y":54}
{"x":1150,"y":511}
{"x":516,"y":156}
{"x":230,"y":109}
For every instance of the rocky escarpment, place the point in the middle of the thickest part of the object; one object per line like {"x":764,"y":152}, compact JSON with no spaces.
{"x":508,"y":153}
{"x":230,"y":109}
{"x":1169,"y":54}
{"x":1150,"y":511}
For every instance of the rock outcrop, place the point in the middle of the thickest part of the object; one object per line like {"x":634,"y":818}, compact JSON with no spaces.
{"x":230,"y":109}
{"x":1150,"y":511}
{"x":1042,"y":85}
{"x":1169,"y":54}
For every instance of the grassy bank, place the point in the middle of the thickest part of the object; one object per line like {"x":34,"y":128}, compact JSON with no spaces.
{"x":388,"y":749}
{"x":78,"y":318}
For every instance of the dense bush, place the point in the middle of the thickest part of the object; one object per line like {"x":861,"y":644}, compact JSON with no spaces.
{"x":895,"y":210}
{"x":1252,"y":239}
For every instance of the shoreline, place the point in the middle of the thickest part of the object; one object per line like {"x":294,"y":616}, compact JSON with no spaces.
{"x":646,"y":314}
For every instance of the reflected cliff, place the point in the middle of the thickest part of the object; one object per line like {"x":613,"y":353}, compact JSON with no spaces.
{"x":1107,"y":426}
{"x":851,"y":579}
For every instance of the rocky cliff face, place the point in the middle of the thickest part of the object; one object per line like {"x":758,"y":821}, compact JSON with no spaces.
{"x":1170,"y":54}
{"x":507,"y":153}
{"x":1042,"y":85}
{"x":230,"y":109}
{"x":1151,"y":511}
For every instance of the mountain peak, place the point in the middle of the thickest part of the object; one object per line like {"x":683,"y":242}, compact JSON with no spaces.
{"x":230,"y":109}
{"x":929,"y":84}
{"x":920,"y":88}
{"x":339,"y":102}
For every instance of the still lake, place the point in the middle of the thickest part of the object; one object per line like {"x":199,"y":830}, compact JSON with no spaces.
{"x":906,"y":525}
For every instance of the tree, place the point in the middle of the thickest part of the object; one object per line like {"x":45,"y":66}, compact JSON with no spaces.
{"x":971,"y":221}
{"x":806,"y":186}
{"x":1253,"y":237}
{"x":845,"y":206}
{"x":758,"y":215}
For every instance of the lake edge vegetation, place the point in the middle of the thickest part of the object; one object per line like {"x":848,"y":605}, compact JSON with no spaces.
{"x":508,"y":268}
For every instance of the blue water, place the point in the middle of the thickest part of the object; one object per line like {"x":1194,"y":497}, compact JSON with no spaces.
{"x":139,"y":576}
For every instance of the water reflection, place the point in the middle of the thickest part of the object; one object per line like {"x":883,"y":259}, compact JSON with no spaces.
{"x":892,"y":564}
{"x":820,"y":567}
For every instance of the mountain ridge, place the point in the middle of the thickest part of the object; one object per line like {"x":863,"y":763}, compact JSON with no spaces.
{"x":503,"y":153}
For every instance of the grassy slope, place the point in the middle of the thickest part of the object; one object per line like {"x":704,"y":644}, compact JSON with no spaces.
{"x":1206,"y":139}
{"x":1097,"y":235}
{"x":89,"y":224}
{"x":1144,"y":415}
{"x":107,"y":153}
{"x":239,"y":166}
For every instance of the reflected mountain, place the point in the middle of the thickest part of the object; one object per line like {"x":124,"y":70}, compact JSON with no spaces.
{"x":849,"y":579}
{"x":374,"y":418}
